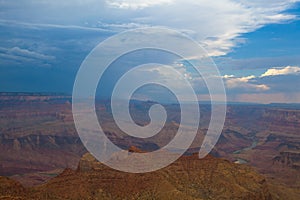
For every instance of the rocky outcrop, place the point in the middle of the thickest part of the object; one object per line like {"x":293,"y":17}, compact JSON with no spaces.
{"x":10,"y":189}
{"x":187,"y":178}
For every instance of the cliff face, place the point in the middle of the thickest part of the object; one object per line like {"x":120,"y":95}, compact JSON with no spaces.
{"x":287,"y":121}
{"x":264,"y":118}
{"x":37,"y":133}
{"x":288,"y":159}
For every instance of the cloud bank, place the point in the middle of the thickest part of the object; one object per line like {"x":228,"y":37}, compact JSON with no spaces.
{"x":218,"y":25}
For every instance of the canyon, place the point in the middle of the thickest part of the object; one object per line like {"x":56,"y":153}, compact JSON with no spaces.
{"x":38,"y":142}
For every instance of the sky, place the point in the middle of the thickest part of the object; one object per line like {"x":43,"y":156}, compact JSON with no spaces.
{"x":255,"y":44}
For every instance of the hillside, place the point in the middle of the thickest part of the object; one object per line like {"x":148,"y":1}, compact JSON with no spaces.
{"x":187,"y":178}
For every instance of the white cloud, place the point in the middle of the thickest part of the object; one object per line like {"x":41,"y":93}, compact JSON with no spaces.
{"x":19,"y":54}
{"x":30,"y":54}
{"x":136,"y":4}
{"x":281,"y":71}
{"x":247,"y":83}
{"x":168,"y":76}
{"x":250,"y":84}
{"x":14,"y":23}
{"x":228,"y":76}
{"x":217,"y":24}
